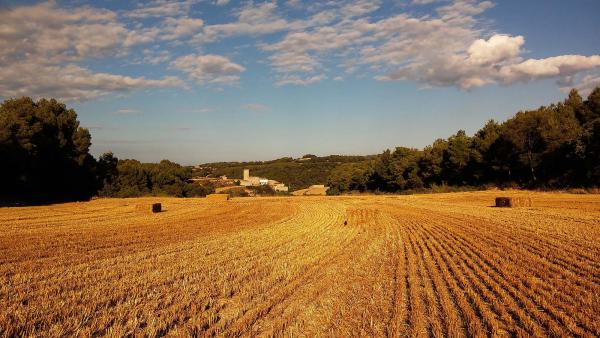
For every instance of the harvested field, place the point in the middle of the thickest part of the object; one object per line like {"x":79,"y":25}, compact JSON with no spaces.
{"x":314,"y":190}
{"x":420,"y":265}
{"x":218,"y":197}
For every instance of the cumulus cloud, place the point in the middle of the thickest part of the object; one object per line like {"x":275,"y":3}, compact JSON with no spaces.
{"x":297,"y":52}
{"x":299,"y":81}
{"x":251,"y":19}
{"x":153,"y":57}
{"x":265,"y":18}
{"x":586,"y":85}
{"x":496,"y":49}
{"x":359,"y":8}
{"x":40,"y":46}
{"x":452,"y":46}
{"x":533,"y":69}
{"x":57,"y":35}
{"x":209,"y":68}
{"x":423,"y":2}
{"x":300,"y":52}
{"x":448,"y":50}
{"x":161,"y":8}
{"x":179,"y":27}
{"x":70,"y":82}
{"x":286,"y":62}
{"x":443,"y":50}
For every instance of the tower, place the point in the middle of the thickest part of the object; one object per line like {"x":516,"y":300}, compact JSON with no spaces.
{"x":246,"y":174}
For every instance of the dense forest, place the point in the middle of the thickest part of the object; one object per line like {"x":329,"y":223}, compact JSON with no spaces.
{"x":557,"y":146}
{"x":45,"y":157}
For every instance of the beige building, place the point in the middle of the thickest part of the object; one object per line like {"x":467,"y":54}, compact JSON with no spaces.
{"x":255,"y":181}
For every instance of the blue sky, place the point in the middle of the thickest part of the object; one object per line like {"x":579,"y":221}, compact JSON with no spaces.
{"x":197,"y":81}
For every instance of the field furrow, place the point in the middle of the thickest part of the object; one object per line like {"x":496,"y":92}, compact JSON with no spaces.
{"x":446,"y":265}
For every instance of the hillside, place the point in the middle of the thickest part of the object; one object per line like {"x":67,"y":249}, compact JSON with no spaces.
{"x":296,"y":173}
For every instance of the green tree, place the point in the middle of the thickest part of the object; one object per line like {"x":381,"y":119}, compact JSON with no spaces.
{"x":574,"y":105}
{"x":431,"y":161}
{"x":481,"y":143}
{"x":45,"y":152}
{"x":457,"y":157}
{"x":405,"y":168}
{"x":593,"y":105}
{"x":590,"y":150}
{"x":107,"y":172}
{"x":383,"y":177}
{"x":349,"y":177}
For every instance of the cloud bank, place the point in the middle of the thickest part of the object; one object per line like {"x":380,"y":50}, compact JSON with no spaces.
{"x":46,"y":50}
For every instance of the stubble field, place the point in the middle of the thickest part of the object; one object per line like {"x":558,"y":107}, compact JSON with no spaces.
{"x":420,"y":265}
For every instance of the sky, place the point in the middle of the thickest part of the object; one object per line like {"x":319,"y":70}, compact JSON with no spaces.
{"x":200,"y":81}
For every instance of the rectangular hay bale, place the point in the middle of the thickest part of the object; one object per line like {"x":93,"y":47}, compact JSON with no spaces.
{"x":149,"y":207}
{"x":504,"y":202}
{"x":513,"y":202}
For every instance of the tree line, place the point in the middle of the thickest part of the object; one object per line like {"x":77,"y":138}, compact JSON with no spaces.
{"x":556,"y":146}
{"x":45,"y":158}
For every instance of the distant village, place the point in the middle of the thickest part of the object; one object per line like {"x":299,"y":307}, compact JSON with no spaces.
{"x":248,"y":183}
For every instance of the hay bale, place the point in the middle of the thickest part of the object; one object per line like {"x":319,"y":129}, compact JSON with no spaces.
{"x":149,"y":207}
{"x":513,"y":202}
{"x":218,"y":197}
{"x":504,"y":202}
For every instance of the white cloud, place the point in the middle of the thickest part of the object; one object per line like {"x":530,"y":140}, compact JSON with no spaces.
{"x":70,"y":82}
{"x":449,"y":51}
{"x":462,"y":11}
{"x":56,"y":34}
{"x":299,"y":81}
{"x":423,"y":2}
{"x":251,"y":19}
{"x":586,"y":85}
{"x":496,"y":49}
{"x":359,"y":8}
{"x":556,"y":66}
{"x":179,"y":27}
{"x":294,"y":62}
{"x":162,"y":8}
{"x":300,"y":52}
{"x":209,"y":68}
{"x":41,"y":44}
{"x":153,"y":57}
{"x":452,"y":46}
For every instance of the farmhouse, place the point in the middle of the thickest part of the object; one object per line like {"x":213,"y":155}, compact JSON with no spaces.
{"x":255,"y":181}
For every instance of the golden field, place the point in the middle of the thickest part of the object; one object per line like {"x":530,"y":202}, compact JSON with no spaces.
{"x":419,"y":265}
